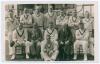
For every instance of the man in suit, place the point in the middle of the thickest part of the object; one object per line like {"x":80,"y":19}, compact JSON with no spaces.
{"x":65,"y":43}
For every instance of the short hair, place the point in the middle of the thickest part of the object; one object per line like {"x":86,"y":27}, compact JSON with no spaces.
{"x":87,"y":12}
{"x":10,"y":10}
{"x":20,"y":24}
{"x":50,"y":6}
{"x":25,"y":9}
{"x":37,"y":7}
{"x":81,"y":23}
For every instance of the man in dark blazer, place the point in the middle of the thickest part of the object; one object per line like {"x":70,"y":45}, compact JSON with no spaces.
{"x":65,"y":42}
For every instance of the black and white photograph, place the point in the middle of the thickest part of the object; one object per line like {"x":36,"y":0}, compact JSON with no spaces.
{"x":50,"y":32}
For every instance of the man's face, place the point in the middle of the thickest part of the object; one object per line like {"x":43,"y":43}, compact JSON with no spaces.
{"x":87,"y":14}
{"x":26,"y":11}
{"x":11,"y":14}
{"x":50,"y":25}
{"x":37,"y":9}
{"x":81,"y":26}
{"x":20,"y":26}
{"x":61,"y":13}
{"x":50,"y":9}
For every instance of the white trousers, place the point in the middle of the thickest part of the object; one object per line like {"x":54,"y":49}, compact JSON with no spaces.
{"x":27,"y":47}
{"x":9,"y":41}
{"x":84,"y":45}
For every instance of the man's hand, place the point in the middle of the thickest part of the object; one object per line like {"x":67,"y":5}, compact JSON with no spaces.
{"x":67,"y":42}
{"x":61,"y":42}
{"x":17,"y":44}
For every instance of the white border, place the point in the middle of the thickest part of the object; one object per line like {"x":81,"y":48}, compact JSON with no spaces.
{"x":49,"y":2}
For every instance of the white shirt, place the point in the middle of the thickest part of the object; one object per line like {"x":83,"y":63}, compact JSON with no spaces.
{"x":88,"y":23}
{"x":19,"y":35}
{"x":26,"y":19}
{"x":38,"y":18}
{"x":61,"y":20}
{"x":53,"y":34}
{"x":73,"y":21}
{"x":82,"y":34}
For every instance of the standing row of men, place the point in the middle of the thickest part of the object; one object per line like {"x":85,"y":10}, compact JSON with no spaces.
{"x":52,"y":36}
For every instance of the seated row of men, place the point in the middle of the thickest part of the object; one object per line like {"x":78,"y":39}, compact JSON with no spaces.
{"x":52,"y":43}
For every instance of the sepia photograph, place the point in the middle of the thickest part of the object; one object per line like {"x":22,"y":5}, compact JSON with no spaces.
{"x":49,"y":32}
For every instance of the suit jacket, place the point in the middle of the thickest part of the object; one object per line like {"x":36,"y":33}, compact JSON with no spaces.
{"x":65,"y":34}
{"x":36,"y":34}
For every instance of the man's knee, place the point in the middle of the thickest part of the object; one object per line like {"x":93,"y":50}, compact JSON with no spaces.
{"x":56,"y":52}
{"x":75,"y":44}
{"x":27,"y":43}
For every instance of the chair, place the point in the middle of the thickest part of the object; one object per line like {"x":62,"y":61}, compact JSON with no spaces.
{"x":20,"y":51}
{"x":80,"y":49}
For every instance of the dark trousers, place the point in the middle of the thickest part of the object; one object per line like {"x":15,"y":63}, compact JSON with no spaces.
{"x":65,"y":52}
{"x":61,"y":52}
{"x":35,"y":50}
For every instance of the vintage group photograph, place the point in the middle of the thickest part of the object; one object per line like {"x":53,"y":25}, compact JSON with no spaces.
{"x":49,"y":32}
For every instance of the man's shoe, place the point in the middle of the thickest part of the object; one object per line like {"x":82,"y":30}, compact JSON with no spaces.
{"x":27,"y":56}
{"x":12,"y":57}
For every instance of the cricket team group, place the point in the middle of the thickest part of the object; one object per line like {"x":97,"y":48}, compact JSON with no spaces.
{"x":50,"y":36}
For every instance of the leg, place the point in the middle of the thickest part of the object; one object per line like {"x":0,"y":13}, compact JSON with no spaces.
{"x":13,"y":52}
{"x":38,"y":49}
{"x":27,"y":49}
{"x":54,"y":55}
{"x":76,"y":46}
{"x":9,"y":41}
{"x":44,"y":56}
{"x":85,"y":47}
{"x":68,"y":52}
{"x":61,"y":52}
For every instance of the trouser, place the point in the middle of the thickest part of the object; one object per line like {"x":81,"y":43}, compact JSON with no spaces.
{"x":61,"y":52}
{"x":84,"y":45}
{"x":67,"y":50}
{"x":35,"y":48}
{"x":91,"y":46}
{"x":91,"y":42}
{"x":27,"y":46}
{"x":9,"y":41}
